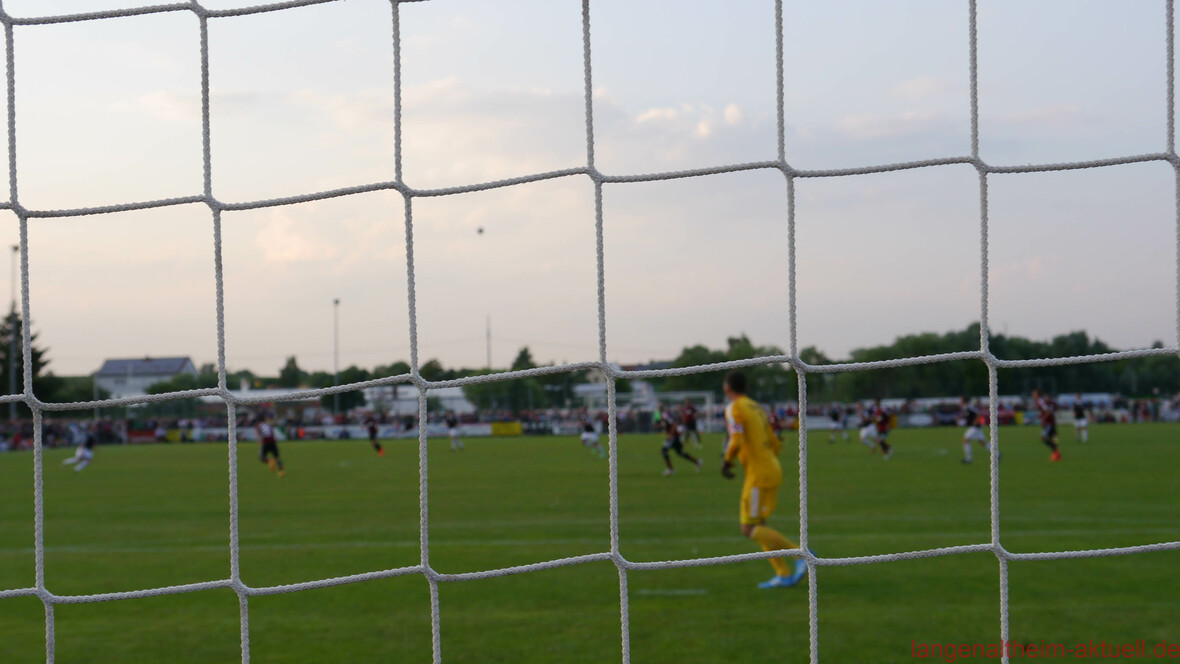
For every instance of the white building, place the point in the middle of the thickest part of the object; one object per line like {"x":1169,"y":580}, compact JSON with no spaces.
{"x":403,"y":399}
{"x":132,"y":378}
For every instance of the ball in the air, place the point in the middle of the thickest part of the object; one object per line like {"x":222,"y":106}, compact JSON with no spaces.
{"x":479,"y":230}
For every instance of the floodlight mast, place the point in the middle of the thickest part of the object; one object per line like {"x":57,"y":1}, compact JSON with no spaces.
{"x":12,"y":336}
{"x":336,"y":354}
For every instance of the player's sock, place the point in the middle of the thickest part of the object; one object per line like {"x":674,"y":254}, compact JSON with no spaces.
{"x":772,"y":540}
{"x":845,"y":433}
{"x":1085,"y":435}
{"x":270,"y":463}
{"x":667,"y":459}
{"x":967,"y":452}
{"x":81,"y":464}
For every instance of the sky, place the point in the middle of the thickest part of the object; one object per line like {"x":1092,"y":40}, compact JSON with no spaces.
{"x":302,"y":101}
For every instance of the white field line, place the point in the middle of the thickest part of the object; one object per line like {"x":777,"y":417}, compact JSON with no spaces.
{"x":536,"y":542}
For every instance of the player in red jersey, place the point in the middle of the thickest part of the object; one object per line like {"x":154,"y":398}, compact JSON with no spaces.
{"x":371,"y":424}
{"x":881,"y":421}
{"x":268,"y":447}
{"x":688,"y":415}
{"x":1048,"y":410}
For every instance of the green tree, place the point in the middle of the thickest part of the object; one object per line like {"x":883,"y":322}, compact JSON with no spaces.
{"x":291,"y":375}
{"x":10,"y":328}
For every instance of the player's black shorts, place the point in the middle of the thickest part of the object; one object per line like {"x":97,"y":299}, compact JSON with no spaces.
{"x":690,"y":426}
{"x":1049,"y":431}
{"x":674,"y":444}
{"x":269,"y":448}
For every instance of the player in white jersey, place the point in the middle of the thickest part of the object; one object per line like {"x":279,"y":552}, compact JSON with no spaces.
{"x":1081,"y":424}
{"x":868,"y":430}
{"x":974,"y":433}
{"x":84,"y":439}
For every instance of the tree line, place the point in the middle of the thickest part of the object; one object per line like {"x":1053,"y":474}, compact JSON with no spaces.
{"x":1133,"y":378}
{"x":772,"y":382}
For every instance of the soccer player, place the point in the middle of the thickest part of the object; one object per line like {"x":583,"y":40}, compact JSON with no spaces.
{"x":268,"y":447}
{"x":672,"y":442}
{"x":754,"y":445}
{"x":371,"y":423}
{"x":868,"y":430}
{"x":881,"y":421}
{"x":453,"y":430}
{"x":836,"y":415}
{"x":688,"y":413}
{"x":974,"y":421}
{"x":85,"y":440}
{"x":1048,"y":411}
{"x":1081,"y":428}
{"x":590,"y":436}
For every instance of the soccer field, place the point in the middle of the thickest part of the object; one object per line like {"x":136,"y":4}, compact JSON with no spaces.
{"x":150,"y":516}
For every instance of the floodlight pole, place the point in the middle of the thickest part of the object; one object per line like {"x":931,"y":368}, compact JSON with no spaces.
{"x":336,"y":353}
{"x":12,"y":337}
{"x":489,"y":337}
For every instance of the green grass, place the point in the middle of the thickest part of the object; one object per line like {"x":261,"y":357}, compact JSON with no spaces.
{"x":152,"y":516}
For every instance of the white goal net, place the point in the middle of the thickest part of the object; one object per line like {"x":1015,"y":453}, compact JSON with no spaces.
{"x":208,"y":197}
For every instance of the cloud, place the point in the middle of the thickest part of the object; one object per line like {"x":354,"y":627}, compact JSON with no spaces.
{"x":657,"y":114}
{"x":733,"y":114}
{"x":185,"y":107}
{"x":284,"y":240}
{"x":1044,"y":117}
{"x":923,"y":87}
{"x":868,"y":126}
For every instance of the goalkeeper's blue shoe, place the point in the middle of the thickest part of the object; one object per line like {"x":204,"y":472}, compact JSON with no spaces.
{"x":779,"y":582}
{"x":800,"y":571}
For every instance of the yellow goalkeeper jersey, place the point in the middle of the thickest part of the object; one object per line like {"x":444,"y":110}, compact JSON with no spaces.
{"x":753,"y":443}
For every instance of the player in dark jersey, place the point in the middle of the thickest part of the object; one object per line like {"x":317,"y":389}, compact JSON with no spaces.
{"x":590,"y":435}
{"x":836,"y":415}
{"x":1048,"y":411}
{"x":974,"y":419}
{"x":268,"y":447}
{"x":672,"y":442}
{"x":881,"y":420}
{"x":453,"y":430}
{"x":688,"y":414}
{"x":1081,"y":428}
{"x":371,"y":424}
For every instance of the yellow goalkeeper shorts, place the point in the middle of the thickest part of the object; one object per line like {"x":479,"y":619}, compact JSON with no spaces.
{"x":758,"y":503}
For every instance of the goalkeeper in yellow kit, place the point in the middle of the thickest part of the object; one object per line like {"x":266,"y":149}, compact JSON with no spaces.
{"x":753,"y":443}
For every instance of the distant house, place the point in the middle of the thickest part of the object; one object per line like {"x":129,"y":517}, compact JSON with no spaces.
{"x":132,"y":378}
